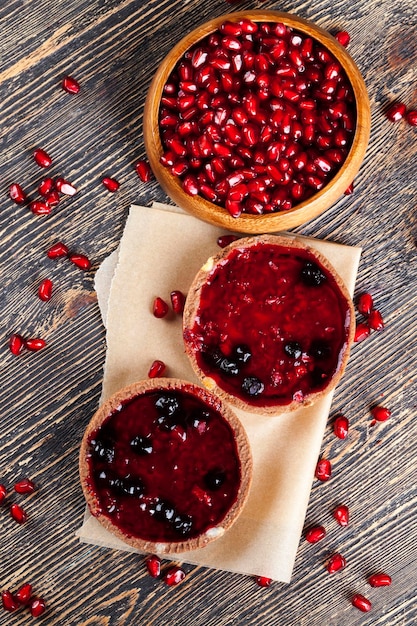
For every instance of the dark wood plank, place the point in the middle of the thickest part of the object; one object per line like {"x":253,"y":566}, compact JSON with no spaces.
{"x":46,"y":399}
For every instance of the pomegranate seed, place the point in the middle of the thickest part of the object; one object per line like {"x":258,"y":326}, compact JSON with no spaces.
{"x":365,"y":303}
{"x":157,"y":369}
{"x":153,"y":565}
{"x":380,"y":413}
{"x":63,"y":186}
{"x":335,"y":563}
{"x":341,"y":427}
{"x":9,"y":601}
{"x":111,"y":184}
{"x":379,"y":580}
{"x":57,"y":251}
{"x":46,"y":186}
{"x":25,"y":486}
{"x":263,"y":581}
{"x":16,"y":344}
{"x":24,"y":594}
{"x":177,"y":301}
{"x":3,"y":493}
{"x":315,"y":534}
{"x":361,"y":603}
{"x":341,"y":515}
{"x":362,"y":332}
{"x":35,"y":343}
{"x":323,"y":470}
{"x":160,"y":307}
{"x":39,"y":208}
{"x":17,"y":194}
{"x":45,"y":290}
{"x":70,"y":85}
{"x":52,"y":199}
{"x":81,"y":261}
{"x":343,"y":38}
{"x":42,"y":158}
{"x":144,"y":171}
{"x":174,"y":575}
{"x":375,"y":320}
{"x":18,"y":514}
{"x":396,"y":112}
{"x":224,"y":240}
{"x":37,"y":607}
{"x":411,"y":117}
{"x":349,"y":190}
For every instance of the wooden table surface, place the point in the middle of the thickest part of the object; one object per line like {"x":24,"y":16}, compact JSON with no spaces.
{"x":113,"y":48}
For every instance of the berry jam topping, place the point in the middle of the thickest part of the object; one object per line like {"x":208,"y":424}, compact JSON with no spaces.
{"x":271,"y":325}
{"x":164,"y":466}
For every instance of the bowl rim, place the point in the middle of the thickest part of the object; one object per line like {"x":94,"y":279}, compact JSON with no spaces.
{"x":301,"y":212}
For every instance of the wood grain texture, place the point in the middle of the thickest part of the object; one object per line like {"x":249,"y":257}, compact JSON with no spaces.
{"x":46,"y":399}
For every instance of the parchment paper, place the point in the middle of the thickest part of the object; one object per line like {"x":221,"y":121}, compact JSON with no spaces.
{"x":161,"y":250}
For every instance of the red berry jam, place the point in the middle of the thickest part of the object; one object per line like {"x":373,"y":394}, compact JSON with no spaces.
{"x":271,"y":324}
{"x":164,"y":466}
{"x":256,"y":121}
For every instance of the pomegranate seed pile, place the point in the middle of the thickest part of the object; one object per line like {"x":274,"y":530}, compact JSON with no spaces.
{"x":256,"y":117}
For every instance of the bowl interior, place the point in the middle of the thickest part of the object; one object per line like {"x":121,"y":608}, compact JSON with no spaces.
{"x":306,"y":209}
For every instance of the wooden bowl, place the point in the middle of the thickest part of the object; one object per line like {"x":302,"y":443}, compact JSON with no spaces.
{"x":193,"y":462}
{"x":270,"y":222}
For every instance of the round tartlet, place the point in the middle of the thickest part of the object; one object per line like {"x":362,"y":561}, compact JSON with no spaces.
{"x":268,"y":324}
{"x":165,"y":466}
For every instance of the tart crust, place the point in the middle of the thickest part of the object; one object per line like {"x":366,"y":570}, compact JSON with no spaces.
{"x":243,"y":451}
{"x":192,"y":307}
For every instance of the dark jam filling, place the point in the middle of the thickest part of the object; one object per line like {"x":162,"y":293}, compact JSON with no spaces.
{"x":272,"y":325}
{"x":164,"y":467}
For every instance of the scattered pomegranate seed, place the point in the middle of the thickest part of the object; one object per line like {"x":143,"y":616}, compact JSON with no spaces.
{"x":343,"y":38}
{"x":9,"y":601}
{"x":57,"y":251}
{"x":375,"y":320}
{"x":25,"y":486}
{"x":174,"y":575}
{"x":335,"y":563}
{"x":341,"y":515}
{"x":42,"y":158}
{"x":18,"y":514}
{"x":81,"y":261}
{"x":52,"y":199}
{"x":323,"y":470}
{"x":341,"y":427}
{"x":37,"y":607}
{"x":63,"y":186}
{"x":17,"y":194}
{"x":143,"y":170}
{"x":224,"y":240}
{"x":396,"y":112}
{"x":35,"y":343}
{"x":46,"y":186}
{"x":315,"y":534}
{"x":111,"y":184}
{"x":361,"y":603}
{"x":362,"y":332}
{"x":349,"y":190}
{"x":365,"y":303}
{"x":177,"y":301}
{"x":160,"y":307}
{"x":157,"y":369}
{"x":380,"y":413}
{"x":411,"y":118}
{"x":70,"y":85}
{"x":379,"y":580}
{"x":24,"y":594}
{"x":45,"y":290}
{"x":263,"y":581}
{"x":16,"y":344}
{"x":153,"y":565}
{"x":3,"y":493}
{"x":39,"y":208}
